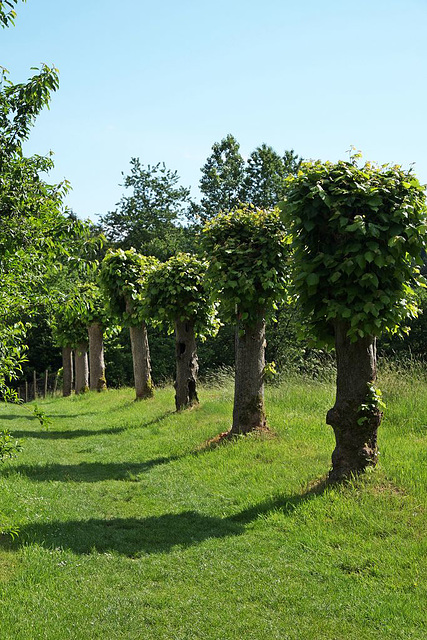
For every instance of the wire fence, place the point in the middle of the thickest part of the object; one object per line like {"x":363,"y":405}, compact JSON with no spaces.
{"x":40,"y":386}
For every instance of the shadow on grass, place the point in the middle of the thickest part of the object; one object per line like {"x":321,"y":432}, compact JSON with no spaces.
{"x":155,"y":534}
{"x":160,"y":418}
{"x":127,"y":536}
{"x":87,"y":471}
{"x":65,"y":435}
{"x":284,"y":504}
{"x":14,"y":416}
{"x":28,"y":415}
{"x":68,"y":434}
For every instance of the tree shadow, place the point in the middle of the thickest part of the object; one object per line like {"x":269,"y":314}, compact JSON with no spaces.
{"x":86,"y":471}
{"x":49,"y":434}
{"x":285,"y":504}
{"x":73,"y":415}
{"x":65,"y":435}
{"x":127,"y":536}
{"x":30,"y":416}
{"x":155,"y":534}
{"x":13,"y":416}
{"x":159,"y":418}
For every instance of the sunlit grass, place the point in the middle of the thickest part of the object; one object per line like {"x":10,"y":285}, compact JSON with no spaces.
{"x":132,"y":526}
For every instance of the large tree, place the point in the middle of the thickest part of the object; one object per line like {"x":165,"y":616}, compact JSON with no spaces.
{"x":150,"y":219}
{"x":265,"y":175}
{"x":32,"y":226}
{"x":227,"y":180}
{"x":248,"y":251}
{"x":358,"y":235}
{"x":222,"y":178}
{"x":35,"y":233}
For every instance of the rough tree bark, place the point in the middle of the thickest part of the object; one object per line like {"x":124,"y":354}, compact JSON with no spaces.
{"x":82,"y":369}
{"x":96,"y":358}
{"x":356,"y":444}
{"x":67,"y":368}
{"x":141,"y":362}
{"x":249,"y":409}
{"x":187,"y":365}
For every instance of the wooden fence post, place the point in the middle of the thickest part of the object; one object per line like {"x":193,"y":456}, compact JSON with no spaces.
{"x":26,"y":391}
{"x":46,"y":374}
{"x":55,"y":384}
{"x":35,"y":384}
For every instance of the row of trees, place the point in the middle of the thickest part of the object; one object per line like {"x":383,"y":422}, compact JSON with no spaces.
{"x":244,"y":277}
{"x":346,"y":245}
{"x":356,"y":235}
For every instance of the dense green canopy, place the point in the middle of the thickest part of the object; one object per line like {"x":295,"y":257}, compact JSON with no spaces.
{"x":249,"y":261}
{"x":177,"y":290}
{"x":122,"y":279}
{"x":358,"y":236}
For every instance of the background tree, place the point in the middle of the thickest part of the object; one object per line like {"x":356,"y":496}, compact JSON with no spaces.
{"x":358,"y":238}
{"x":70,"y":334}
{"x":177,"y":298}
{"x":248,"y":251}
{"x":151,"y":218}
{"x":122,"y":278}
{"x":222,"y":178}
{"x":92,"y":312}
{"x":265,"y":175}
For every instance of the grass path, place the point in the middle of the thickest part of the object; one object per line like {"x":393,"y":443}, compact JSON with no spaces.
{"x":131,"y":529}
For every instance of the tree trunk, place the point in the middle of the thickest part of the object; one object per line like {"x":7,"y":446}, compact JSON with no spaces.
{"x":82,"y":369}
{"x":141,"y":362}
{"x":249,"y":410}
{"x":187,"y":365}
{"x":356,"y":444}
{"x":96,"y":358}
{"x":67,"y":369}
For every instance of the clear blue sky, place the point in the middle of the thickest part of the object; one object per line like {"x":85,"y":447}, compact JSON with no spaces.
{"x":164,"y":81}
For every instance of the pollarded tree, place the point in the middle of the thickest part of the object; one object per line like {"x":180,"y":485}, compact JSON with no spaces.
{"x":177,"y":298}
{"x":70,"y":334}
{"x":358,"y":234}
{"x":92,"y":312}
{"x":248,"y":250}
{"x":122,"y":278}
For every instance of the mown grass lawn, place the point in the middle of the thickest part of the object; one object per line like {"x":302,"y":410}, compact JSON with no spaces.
{"x":129,"y":527}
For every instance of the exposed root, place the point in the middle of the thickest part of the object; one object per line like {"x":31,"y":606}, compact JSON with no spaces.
{"x":263,"y":432}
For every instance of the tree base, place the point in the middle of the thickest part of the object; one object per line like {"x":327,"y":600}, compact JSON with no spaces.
{"x":188,"y":405}
{"x":356,"y":445}
{"x":227,"y":436}
{"x":145,"y":395}
{"x":101,"y":385}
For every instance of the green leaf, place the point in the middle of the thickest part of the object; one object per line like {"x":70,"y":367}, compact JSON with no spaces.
{"x":313,"y":279}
